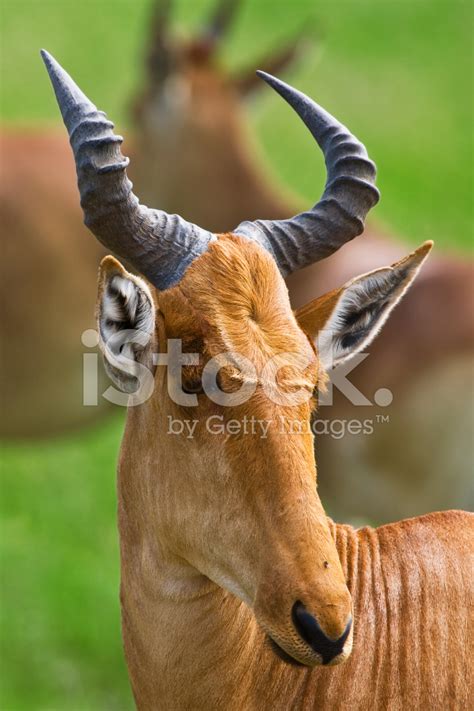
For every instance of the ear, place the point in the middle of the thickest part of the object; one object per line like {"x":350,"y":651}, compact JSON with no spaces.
{"x":126,"y":323}
{"x":346,"y":320}
{"x":248,"y":82}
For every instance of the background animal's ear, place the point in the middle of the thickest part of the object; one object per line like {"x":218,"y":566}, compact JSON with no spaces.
{"x":346,"y":320}
{"x":126,"y":323}
{"x":247,"y":82}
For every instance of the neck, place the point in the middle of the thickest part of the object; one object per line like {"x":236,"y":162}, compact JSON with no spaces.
{"x":194,"y":645}
{"x":202,"y":632}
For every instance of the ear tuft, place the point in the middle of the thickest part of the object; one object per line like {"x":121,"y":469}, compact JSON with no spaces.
{"x":126,"y":320}
{"x":352,"y":316}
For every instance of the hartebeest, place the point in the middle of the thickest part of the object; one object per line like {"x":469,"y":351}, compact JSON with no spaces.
{"x":47,"y":273}
{"x":227,"y":555}
{"x":193,"y":156}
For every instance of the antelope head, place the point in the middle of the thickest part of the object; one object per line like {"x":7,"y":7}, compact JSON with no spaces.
{"x":225,"y":506}
{"x":180,"y":71}
{"x":192,"y":104}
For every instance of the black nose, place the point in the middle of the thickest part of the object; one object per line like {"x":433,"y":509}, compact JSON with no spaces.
{"x":309,"y":629}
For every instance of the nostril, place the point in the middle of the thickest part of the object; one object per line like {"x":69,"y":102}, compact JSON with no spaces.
{"x":308,"y":628}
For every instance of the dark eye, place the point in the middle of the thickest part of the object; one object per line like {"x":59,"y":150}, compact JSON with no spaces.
{"x":192,"y":386}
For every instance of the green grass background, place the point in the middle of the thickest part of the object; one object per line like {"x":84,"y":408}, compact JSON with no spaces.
{"x":399,"y":73}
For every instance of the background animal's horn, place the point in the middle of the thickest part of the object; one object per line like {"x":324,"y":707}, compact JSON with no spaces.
{"x":221,"y":20}
{"x":349,"y":194}
{"x":160,"y":18}
{"x":158,"y":245}
{"x":157,"y":56}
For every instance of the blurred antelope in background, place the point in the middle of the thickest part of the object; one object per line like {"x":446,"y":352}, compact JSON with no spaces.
{"x":235,"y":585}
{"x":194,"y":156}
{"x":48,"y":270}
{"x":42,"y":367}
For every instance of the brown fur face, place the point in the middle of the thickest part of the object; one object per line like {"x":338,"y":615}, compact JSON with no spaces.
{"x":179,"y":163}
{"x":191,"y":88}
{"x":239,"y":508}
{"x":224,"y":489}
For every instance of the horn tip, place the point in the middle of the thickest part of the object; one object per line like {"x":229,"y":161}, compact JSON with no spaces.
{"x":47,"y":58}
{"x":50,"y":63}
{"x":265,"y":76}
{"x":285,"y":90}
{"x":67,"y":92}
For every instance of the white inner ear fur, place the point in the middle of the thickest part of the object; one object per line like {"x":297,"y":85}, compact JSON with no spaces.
{"x":363,"y":307}
{"x":126,"y":316}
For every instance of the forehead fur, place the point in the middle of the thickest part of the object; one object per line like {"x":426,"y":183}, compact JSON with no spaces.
{"x":235,"y":299}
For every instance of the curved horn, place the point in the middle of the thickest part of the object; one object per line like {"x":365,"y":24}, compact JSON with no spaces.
{"x":349,"y":193}
{"x":158,"y":245}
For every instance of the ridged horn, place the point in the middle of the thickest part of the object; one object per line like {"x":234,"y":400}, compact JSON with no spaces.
{"x":349,"y":193}
{"x":158,"y":245}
